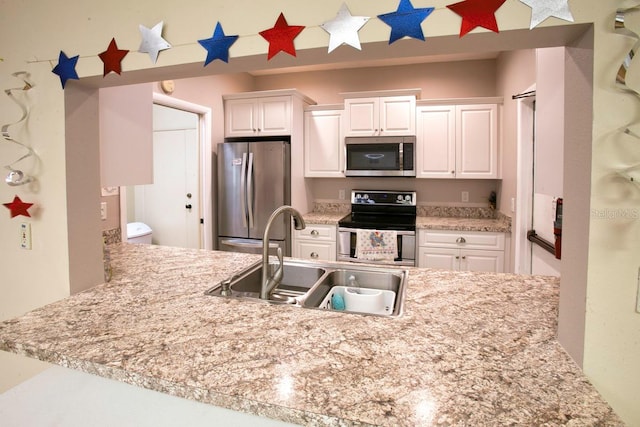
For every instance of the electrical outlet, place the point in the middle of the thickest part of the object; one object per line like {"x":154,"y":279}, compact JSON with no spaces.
{"x":25,"y":236}
{"x":103,"y":210}
{"x":465,"y":196}
{"x":513,"y":204}
{"x":341,"y":194}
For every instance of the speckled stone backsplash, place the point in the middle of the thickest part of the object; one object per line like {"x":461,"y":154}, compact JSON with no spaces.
{"x":112,"y":236}
{"x":331,"y":207}
{"x":457,"y":212}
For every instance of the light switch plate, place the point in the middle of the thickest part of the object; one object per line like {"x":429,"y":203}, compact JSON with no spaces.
{"x":638,"y":293}
{"x":103,"y":210}
{"x":465,"y":196}
{"x":25,"y":236}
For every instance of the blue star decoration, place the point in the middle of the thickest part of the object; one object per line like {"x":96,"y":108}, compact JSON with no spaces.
{"x":66,"y":68}
{"x":217,"y":46}
{"x":406,"y":21}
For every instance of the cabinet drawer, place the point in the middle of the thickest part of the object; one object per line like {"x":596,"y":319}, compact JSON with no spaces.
{"x":461,"y":239}
{"x":325,"y":251}
{"x":317,"y":232}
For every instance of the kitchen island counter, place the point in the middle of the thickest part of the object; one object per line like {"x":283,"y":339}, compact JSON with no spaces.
{"x":470,"y":348}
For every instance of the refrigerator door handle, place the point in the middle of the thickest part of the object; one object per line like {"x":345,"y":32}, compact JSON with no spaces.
{"x":250,"y":190}
{"x":243,"y":190}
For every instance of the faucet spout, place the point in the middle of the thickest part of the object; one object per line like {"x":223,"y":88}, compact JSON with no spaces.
{"x":269,"y":282}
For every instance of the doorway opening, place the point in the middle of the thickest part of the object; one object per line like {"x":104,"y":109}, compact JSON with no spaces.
{"x":178,"y":205}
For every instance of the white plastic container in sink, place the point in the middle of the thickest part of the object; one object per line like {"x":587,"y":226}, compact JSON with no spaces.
{"x":362,"y":300}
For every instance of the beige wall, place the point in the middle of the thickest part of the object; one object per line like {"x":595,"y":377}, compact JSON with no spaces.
{"x":27,"y":33}
{"x":438,"y":80}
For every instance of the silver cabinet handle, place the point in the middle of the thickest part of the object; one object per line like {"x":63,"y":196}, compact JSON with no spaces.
{"x":314,"y":255}
{"x":314,"y":233}
{"x":461,"y":240}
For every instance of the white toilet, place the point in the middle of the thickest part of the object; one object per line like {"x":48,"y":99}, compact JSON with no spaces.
{"x":138,"y":232}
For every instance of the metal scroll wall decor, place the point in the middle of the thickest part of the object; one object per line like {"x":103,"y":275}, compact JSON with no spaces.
{"x":15,"y":176}
{"x":630,"y":173}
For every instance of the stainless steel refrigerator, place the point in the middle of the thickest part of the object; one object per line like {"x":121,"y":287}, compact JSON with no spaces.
{"x":254,"y":178}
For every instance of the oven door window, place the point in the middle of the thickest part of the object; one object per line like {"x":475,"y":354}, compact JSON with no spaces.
{"x":373,"y":157}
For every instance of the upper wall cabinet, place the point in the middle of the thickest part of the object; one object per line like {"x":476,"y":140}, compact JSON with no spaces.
{"x":267,"y":116}
{"x":323,"y":143}
{"x":380,"y":116}
{"x":126,"y":135}
{"x":457,"y":141}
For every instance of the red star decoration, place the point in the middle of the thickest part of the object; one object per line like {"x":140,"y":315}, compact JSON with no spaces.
{"x":18,"y":207}
{"x":477,"y":13}
{"x":112,"y":57}
{"x":281,"y":36}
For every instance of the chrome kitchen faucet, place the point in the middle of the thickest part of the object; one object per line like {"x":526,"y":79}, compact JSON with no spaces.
{"x":269,"y":283}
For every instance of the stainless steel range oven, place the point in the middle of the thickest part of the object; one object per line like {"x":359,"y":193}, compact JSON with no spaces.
{"x":382,"y":211}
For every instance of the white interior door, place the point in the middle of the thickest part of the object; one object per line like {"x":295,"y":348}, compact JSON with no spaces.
{"x":171,"y":205}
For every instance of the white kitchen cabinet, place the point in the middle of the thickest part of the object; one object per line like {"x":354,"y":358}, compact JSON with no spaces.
{"x":316,"y":242}
{"x":461,"y":251}
{"x":381,"y":116}
{"x":323,"y":143}
{"x":457,"y":141}
{"x":264,"y":116}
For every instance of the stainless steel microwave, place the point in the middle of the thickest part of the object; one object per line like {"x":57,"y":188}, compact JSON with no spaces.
{"x":380,"y":156}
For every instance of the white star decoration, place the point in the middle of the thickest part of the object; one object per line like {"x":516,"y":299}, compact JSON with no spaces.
{"x":543,"y":9}
{"x":152,"y":41}
{"x":343,"y":29}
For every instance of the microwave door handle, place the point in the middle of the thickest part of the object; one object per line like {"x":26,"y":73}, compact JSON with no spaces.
{"x":243,"y":190}
{"x":401,"y":156}
{"x":250,"y":185}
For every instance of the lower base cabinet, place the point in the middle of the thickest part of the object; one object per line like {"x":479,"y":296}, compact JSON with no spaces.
{"x":461,"y":251}
{"x":315,"y":242}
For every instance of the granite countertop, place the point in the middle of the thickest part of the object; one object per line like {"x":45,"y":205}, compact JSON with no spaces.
{"x":426,"y":222}
{"x":470,"y":349}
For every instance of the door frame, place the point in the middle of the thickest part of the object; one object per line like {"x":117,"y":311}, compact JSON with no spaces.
{"x":524,"y":186}
{"x":205,"y":172}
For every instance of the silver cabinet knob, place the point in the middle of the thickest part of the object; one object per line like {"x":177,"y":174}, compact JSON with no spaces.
{"x":314,"y":233}
{"x":461,"y":240}
{"x":314,"y":255}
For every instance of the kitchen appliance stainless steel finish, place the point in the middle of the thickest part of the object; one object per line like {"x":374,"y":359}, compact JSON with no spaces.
{"x":380,"y":210}
{"x":254,"y":178}
{"x":381,"y":156}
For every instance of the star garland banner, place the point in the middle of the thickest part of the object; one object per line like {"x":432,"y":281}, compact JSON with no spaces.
{"x":217,"y":46}
{"x":112,"y":58}
{"x":406,"y":21}
{"x":543,"y":9}
{"x":280,"y":37}
{"x":343,"y":29}
{"x":477,"y":13}
{"x":18,"y":207}
{"x":152,"y":41}
{"x":17,"y":177}
{"x":66,"y":68}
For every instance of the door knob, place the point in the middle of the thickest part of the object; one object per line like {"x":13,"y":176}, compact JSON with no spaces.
{"x":188,"y":206}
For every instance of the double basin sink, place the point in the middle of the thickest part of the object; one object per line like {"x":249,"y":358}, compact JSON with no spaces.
{"x":359,"y":289}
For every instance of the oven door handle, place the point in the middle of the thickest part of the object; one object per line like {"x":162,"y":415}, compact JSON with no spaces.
{"x":354,"y":230}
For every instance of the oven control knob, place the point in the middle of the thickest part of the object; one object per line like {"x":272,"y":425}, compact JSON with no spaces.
{"x":358,"y":196}
{"x":366,"y":196}
{"x":399,"y":197}
{"x":407,"y":198}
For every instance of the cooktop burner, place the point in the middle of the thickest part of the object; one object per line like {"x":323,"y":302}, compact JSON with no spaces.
{"x":381,"y":210}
